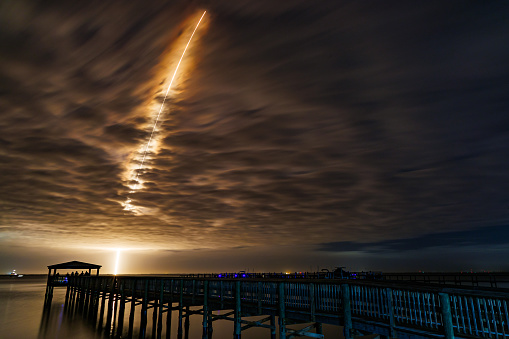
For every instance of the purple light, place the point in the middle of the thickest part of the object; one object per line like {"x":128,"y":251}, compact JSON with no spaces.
{"x":236,"y":275}
{"x":243,"y":276}
{"x":220,"y":276}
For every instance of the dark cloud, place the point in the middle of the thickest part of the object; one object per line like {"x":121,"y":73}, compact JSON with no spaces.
{"x":485,"y":237}
{"x":343,"y":125}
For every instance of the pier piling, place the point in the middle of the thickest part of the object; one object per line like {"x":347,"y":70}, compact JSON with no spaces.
{"x":389,"y":309}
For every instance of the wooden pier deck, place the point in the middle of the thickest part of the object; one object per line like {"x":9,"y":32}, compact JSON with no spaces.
{"x":393,"y":310}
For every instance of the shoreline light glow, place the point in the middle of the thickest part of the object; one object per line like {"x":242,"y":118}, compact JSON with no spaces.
{"x":127,"y":204}
{"x":117,"y":260}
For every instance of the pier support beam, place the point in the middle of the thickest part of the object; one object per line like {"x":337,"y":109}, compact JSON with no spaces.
{"x":169,"y":313}
{"x":111,"y":299}
{"x":160,"y":314}
{"x":186,"y":323}
{"x":446,"y":315}
{"x":143,"y":324}
{"x":133,"y":307}
{"x":237,"y":315}
{"x":390,"y":308}
{"x":121,"y":311}
{"x":103,"y":301}
{"x":347,"y":311}
{"x":282,"y":312}
{"x":205,"y":322}
{"x":272,"y":327}
{"x":181,"y":301}
{"x":155,"y":307}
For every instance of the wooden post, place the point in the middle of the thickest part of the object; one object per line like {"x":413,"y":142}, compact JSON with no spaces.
{"x":143,"y":322}
{"x":221,"y":295}
{"x":272,"y":327}
{"x":237,"y":315}
{"x":181,"y":301}
{"x":186,"y":324}
{"x":282,"y":315}
{"x":103,"y":301}
{"x":193,"y":294}
{"x":121,"y":312}
{"x":67,"y":293}
{"x":210,"y":324}
{"x":446,"y":315}
{"x":390,"y":307}
{"x":205,"y":324}
{"x":83,"y":292}
{"x":110,"y":306}
{"x":161,"y":303}
{"x":87,"y":296}
{"x":133,"y":307}
{"x":170,"y":311}
{"x":115,"y":309}
{"x":260,"y":296}
{"x":71,"y":294}
{"x":73,"y":298}
{"x":97,"y":295}
{"x":319,"y":328}
{"x":347,"y":311}
{"x":49,"y":291}
{"x":154,"y":311}
{"x":91,"y":303}
{"x":312,"y":306}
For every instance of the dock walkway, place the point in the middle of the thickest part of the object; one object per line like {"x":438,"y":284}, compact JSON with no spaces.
{"x":393,"y":310}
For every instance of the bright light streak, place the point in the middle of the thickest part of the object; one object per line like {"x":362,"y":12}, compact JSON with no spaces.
{"x":116,"y":262}
{"x":127,"y":204}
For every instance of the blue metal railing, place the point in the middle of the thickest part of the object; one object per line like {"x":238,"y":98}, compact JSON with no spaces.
{"x":472,"y":312}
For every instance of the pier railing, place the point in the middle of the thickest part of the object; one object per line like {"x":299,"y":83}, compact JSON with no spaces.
{"x":366,"y":306}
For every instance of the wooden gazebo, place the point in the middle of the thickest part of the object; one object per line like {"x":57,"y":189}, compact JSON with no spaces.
{"x":57,"y":280}
{"x":74,"y":265}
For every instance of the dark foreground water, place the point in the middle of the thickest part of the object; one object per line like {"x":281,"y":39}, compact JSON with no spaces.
{"x":22,"y":316}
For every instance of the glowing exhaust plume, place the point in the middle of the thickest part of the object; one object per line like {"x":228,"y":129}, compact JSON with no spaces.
{"x":127,"y":204}
{"x":116,"y":262}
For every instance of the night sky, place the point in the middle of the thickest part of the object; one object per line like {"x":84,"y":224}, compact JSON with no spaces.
{"x":298,"y":135}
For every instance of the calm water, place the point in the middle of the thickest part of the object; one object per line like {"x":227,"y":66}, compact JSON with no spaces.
{"x":21,"y":316}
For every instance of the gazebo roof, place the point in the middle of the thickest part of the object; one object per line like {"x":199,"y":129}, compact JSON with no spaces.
{"x":75,"y":265}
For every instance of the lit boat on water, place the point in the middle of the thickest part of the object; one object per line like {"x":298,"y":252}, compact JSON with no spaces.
{"x":15,"y":275}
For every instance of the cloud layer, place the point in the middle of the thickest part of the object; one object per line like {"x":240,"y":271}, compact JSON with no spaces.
{"x":296,"y":123}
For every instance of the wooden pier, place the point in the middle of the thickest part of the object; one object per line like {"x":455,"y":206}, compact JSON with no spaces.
{"x":389,"y":309}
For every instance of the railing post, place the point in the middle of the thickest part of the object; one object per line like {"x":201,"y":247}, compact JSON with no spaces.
{"x":347,"y":311}
{"x":446,"y":315}
{"x":282,"y":316}
{"x":237,"y":316}
{"x":390,"y":308}
{"x":205,"y":324}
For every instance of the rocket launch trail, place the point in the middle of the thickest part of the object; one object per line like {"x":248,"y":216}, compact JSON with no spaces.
{"x":127,"y":204}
